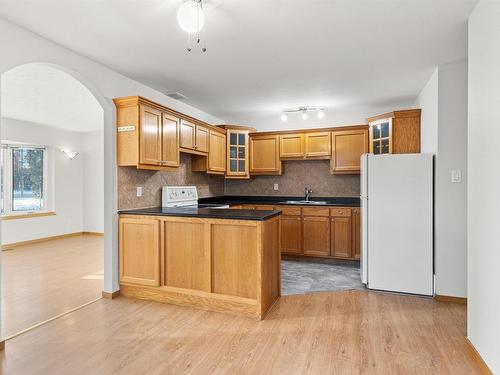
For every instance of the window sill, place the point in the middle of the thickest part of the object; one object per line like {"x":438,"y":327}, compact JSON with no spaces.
{"x":27,"y":215}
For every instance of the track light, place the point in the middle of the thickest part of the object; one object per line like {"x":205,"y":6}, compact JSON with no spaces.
{"x":304,"y":115}
{"x":284,"y":117}
{"x":321,"y":114}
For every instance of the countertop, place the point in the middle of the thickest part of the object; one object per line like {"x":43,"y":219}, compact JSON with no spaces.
{"x":272,"y":200}
{"x":210,"y":213}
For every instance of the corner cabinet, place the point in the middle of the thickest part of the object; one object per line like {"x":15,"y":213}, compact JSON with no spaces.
{"x":347,"y":148}
{"x":265,"y":155}
{"x":396,"y":132}
{"x":237,"y":153}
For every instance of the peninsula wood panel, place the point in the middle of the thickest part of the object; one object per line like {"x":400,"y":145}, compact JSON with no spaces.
{"x":292,"y":146}
{"x":234,"y":260}
{"x":291,"y":234}
{"x":187,"y":135}
{"x":347,"y":148}
{"x":217,"y":154}
{"x":316,"y":235}
{"x":317,"y":145}
{"x":265,"y":155}
{"x":127,"y":149}
{"x":270,"y":258}
{"x":139,"y":248}
{"x":187,"y":255}
{"x":150,"y":136}
{"x":170,"y":141}
{"x":341,"y":237}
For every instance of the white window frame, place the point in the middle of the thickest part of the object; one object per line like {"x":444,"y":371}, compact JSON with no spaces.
{"x":6,"y":150}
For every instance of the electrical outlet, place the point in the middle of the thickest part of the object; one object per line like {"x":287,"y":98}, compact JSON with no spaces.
{"x":140,"y":191}
{"x":276,"y":187}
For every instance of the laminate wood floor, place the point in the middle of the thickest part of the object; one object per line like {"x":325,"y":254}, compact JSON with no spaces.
{"x":43,"y":280}
{"x":350,"y":332}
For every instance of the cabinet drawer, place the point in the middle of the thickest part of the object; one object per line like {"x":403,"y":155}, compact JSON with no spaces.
{"x":315,"y":211}
{"x":341,"y":211}
{"x":290,"y":211}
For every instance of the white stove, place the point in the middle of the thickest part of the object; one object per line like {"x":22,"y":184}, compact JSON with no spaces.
{"x":184,"y":196}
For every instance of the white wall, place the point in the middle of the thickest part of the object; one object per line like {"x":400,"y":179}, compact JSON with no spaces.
{"x":65,"y":182}
{"x":355,"y":115}
{"x":93,"y":181}
{"x":483,"y":315}
{"x":443,"y":101}
{"x":20,"y":46}
{"x":427,"y":100}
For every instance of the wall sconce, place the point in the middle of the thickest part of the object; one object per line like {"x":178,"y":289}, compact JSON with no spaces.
{"x":70,"y":155}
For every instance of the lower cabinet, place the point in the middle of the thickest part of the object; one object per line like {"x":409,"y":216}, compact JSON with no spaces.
{"x":341,"y":238}
{"x":140,"y":251}
{"x":316,"y":231}
{"x":291,"y":234}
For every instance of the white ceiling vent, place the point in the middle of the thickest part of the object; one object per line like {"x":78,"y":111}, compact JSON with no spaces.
{"x":176,"y":96}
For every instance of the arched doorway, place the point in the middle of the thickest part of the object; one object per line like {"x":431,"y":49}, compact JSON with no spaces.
{"x":109,"y":271}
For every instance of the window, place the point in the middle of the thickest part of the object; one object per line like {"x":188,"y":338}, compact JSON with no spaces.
{"x":23,"y":179}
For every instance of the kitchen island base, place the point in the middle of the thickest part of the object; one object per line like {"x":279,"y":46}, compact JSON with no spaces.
{"x":213,"y":264}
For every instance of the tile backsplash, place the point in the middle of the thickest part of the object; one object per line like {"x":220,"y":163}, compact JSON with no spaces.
{"x":152,"y":181}
{"x":296,"y":175}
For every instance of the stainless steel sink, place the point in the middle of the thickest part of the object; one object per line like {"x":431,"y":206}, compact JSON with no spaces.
{"x":305,"y":202}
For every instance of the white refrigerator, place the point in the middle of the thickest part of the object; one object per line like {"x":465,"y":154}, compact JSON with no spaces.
{"x":397,"y":223}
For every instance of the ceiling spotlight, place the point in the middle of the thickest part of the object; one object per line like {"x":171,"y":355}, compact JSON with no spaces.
{"x":321,"y":113}
{"x":284,"y":117}
{"x":304,"y":115}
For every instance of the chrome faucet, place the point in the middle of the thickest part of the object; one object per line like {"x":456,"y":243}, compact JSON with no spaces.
{"x":307,"y":193}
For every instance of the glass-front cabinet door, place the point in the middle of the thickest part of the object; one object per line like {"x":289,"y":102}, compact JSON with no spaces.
{"x":237,"y":153}
{"x":381,"y":137}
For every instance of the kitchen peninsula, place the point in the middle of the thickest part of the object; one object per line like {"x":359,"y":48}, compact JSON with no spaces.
{"x":213,"y":259}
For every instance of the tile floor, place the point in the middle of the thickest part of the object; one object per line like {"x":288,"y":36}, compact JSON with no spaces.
{"x":298,"y":277}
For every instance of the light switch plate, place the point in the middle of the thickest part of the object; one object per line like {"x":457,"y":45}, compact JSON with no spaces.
{"x":275,"y":187}
{"x":140,"y":191}
{"x":456,"y":176}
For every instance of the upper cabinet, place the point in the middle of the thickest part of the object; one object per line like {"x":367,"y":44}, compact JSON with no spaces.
{"x":396,"y":132}
{"x":313,"y":145}
{"x":265,"y":154}
{"x":147,"y":135}
{"x":238,"y":153}
{"x":317,"y":145}
{"x":194,"y":137}
{"x":347,"y":148}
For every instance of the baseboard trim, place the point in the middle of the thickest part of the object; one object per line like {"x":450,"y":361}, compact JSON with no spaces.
{"x":108,"y":295}
{"x":452,"y":299}
{"x":12,"y":246}
{"x":477,"y":358}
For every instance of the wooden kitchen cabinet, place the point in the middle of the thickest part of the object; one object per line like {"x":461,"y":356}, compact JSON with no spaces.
{"x":347,"y":148}
{"x":139,"y":251}
{"x":292,"y":145}
{"x":341,"y":237}
{"x":265,"y":155}
{"x":316,"y":235}
{"x":356,"y":233}
{"x":317,"y":145}
{"x":150,"y":136}
{"x":194,"y":138}
{"x":291,"y":234}
{"x":217,"y":154}
{"x":396,"y":132}
{"x":237,"y":153}
{"x":170,"y":141}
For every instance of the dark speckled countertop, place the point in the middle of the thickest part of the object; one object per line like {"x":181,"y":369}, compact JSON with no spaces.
{"x":210,"y":213}
{"x":235,"y":200}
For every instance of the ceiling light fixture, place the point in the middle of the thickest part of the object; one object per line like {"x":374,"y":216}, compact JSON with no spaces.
{"x":304,"y":112}
{"x":191,"y":19}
